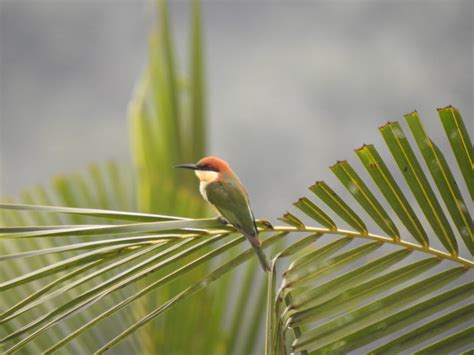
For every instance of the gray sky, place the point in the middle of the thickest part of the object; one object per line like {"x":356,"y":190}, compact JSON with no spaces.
{"x":293,"y":86}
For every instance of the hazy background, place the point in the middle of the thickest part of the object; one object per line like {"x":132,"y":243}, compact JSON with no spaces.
{"x":292,"y":86}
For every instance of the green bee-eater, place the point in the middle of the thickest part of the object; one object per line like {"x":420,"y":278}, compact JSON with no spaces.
{"x":221,"y":187}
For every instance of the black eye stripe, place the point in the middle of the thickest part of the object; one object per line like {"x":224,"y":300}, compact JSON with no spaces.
{"x":207,"y":167}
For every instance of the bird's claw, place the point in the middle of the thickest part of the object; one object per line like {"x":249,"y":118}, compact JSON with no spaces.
{"x":265,"y":223}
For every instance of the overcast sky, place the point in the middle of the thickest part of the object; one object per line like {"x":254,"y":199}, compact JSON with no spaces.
{"x":293,"y":86}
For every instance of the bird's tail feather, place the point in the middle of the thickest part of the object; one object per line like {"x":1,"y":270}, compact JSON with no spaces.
{"x":262,"y":258}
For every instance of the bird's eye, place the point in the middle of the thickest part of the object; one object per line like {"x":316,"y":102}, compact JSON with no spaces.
{"x":207,"y":167}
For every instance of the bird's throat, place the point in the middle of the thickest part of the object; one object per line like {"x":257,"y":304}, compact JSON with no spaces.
{"x":202,"y":189}
{"x":207,"y":175}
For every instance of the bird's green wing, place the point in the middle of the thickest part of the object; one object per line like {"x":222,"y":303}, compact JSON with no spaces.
{"x":233,"y":204}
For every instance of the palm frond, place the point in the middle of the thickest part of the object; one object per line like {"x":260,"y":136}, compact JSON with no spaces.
{"x":346,"y":294}
{"x":337,"y":304}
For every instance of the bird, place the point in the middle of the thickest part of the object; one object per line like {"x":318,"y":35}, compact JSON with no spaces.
{"x":221,"y":187}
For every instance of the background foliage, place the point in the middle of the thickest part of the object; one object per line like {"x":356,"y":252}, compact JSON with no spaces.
{"x":167,"y":126}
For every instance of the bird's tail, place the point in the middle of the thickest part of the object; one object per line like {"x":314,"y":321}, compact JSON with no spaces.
{"x":262,"y":258}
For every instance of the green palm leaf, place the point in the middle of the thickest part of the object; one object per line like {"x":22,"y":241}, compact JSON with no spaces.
{"x":369,"y":300}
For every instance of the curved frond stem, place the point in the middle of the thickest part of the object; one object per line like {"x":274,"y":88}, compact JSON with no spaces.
{"x":401,"y":243}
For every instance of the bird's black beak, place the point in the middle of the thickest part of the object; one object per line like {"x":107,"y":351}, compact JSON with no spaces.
{"x":188,"y":166}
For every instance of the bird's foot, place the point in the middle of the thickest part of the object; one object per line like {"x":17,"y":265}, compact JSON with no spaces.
{"x":264,"y":224}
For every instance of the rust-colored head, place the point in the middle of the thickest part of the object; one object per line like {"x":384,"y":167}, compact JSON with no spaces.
{"x":213,"y":164}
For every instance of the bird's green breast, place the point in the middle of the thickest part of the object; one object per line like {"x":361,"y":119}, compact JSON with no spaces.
{"x":231,"y":200}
